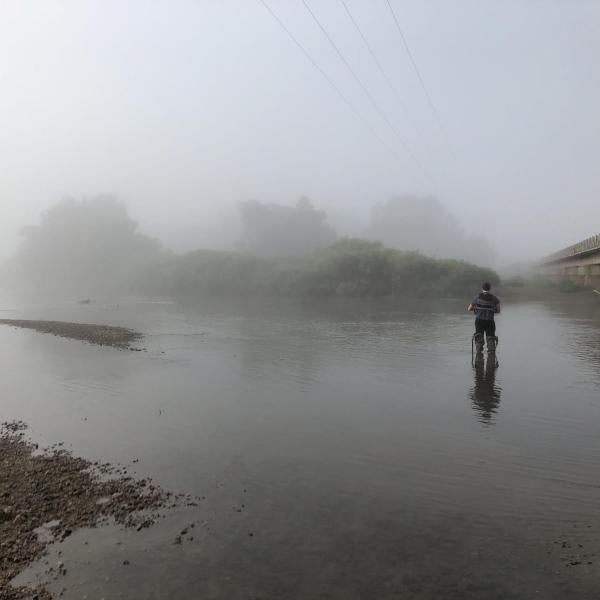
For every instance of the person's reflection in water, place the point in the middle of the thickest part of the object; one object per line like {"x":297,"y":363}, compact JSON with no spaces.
{"x":485,"y":394}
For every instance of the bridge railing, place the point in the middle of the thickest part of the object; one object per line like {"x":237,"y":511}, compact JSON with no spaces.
{"x":590,"y":244}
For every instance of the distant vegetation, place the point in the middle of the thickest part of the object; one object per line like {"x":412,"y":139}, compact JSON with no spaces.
{"x":83,"y":248}
{"x":539,"y":282}
{"x":93,"y":248}
{"x":535,"y":285}
{"x":348,"y":267}
{"x":276,"y":230}
{"x":410,"y":222}
{"x":516,"y":281}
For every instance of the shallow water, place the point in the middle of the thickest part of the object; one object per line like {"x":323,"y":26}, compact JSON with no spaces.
{"x":344,"y":450}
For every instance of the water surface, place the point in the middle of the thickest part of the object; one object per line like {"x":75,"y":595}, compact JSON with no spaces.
{"x":344,"y":450}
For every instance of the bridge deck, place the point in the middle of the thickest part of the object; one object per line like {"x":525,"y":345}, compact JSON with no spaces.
{"x":587,"y":246}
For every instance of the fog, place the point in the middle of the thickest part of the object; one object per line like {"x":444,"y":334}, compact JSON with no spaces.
{"x":185,"y":110}
{"x":274,"y":319}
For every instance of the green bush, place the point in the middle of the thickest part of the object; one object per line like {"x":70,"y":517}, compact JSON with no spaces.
{"x":567,"y":286}
{"x":349,"y":267}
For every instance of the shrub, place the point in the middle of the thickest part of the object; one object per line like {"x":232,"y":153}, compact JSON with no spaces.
{"x":349,"y":267}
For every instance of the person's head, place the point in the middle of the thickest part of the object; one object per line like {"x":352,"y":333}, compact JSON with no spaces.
{"x":486,"y":287}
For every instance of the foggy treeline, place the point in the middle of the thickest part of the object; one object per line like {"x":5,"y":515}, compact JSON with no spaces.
{"x":422,"y":223}
{"x":276,"y":230}
{"x":93,"y":248}
{"x":82,"y":247}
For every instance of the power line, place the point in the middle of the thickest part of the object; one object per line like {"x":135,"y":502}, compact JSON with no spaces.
{"x":364,"y":88}
{"x":423,"y":86}
{"x":382,"y":70}
{"x":316,"y":65}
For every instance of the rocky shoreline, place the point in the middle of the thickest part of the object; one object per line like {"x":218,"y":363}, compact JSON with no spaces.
{"x":103,"y":335}
{"x":45,"y":496}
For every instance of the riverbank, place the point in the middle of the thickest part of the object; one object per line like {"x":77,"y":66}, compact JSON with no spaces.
{"x":103,"y":335}
{"x":46,"y":496}
{"x":548,"y":293}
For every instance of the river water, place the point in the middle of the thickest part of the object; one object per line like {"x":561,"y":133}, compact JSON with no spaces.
{"x":344,"y":450}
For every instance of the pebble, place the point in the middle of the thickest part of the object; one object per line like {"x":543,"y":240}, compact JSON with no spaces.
{"x":67,"y":494}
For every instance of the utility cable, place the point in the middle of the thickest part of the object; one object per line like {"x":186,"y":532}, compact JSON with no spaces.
{"x":316,"y":65}
{"x":364,"y":88}
{"x":421,"y":81}
{"x":382,"y":70}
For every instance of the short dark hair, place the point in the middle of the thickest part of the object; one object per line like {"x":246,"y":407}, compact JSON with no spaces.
{"x":486,"y":286}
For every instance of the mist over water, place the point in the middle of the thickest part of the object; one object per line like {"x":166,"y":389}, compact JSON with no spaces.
{"x":363,"y":447}
{"x":289,"y":206}
{"x":91,"y":250}
{"x":186,"y":110}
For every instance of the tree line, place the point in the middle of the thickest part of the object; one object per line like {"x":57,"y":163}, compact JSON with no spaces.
{"x":93,"y":248}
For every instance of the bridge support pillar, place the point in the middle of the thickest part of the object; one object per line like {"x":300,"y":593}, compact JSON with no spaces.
{"x":579,"y":263}
{"x":592,"y":276}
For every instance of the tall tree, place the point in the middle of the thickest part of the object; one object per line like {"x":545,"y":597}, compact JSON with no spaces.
{"x":277,"y":230}
{"x":83,"y":248}
{"x":422,"y":223}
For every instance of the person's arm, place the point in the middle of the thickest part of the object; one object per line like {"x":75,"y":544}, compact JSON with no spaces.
{"x":498,"y":307}
{"x":470,"y":308}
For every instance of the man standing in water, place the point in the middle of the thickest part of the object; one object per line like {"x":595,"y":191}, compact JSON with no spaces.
{"x":485,"y":306}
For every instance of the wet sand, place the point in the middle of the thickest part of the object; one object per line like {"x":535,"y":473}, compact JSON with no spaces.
{"x":44,"y":497}
{"x":103,"y":335}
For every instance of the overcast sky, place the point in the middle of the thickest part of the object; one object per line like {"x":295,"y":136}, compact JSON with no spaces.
{"x":186,"y":108}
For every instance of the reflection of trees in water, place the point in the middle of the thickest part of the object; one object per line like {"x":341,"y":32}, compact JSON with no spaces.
{"x":485,"y":394}
{"x":303,"y":342}
{"x":276,"y":349}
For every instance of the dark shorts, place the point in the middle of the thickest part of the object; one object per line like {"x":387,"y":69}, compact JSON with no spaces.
{"x":487,"y":327}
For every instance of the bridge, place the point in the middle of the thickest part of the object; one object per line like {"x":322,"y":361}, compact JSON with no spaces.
{"x":580,"y":263}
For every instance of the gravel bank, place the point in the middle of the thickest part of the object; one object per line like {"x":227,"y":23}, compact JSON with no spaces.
{"x":104,"y":335}
{"x":45,"y":496}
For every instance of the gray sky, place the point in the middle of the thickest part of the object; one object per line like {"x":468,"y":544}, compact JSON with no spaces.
{"x":185,"y":108}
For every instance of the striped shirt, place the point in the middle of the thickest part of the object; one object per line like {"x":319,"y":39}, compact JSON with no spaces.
{"x":485,"y":306}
